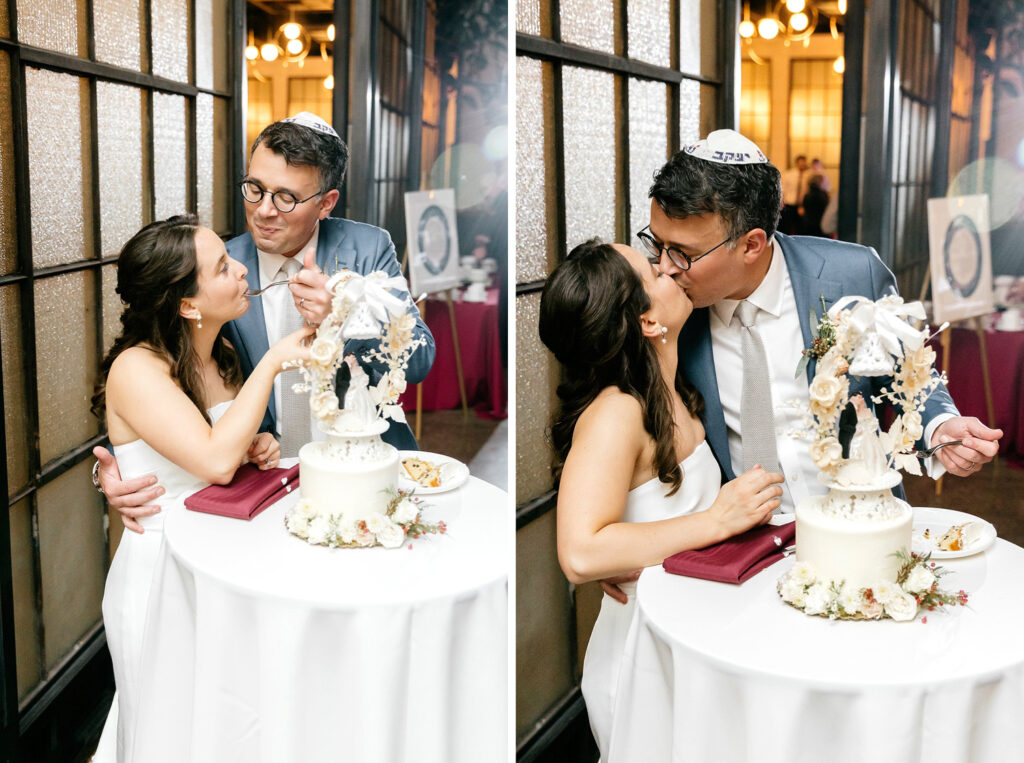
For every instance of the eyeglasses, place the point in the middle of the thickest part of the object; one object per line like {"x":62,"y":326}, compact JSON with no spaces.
{"x":283,"y":200}
{"x":679,"y":259}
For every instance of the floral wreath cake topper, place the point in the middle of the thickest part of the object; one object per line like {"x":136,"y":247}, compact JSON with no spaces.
{"x":858,"y":337}
{"x":363,"y":308}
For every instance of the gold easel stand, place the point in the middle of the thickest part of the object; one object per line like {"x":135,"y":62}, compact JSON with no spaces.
{"x":946,"y":341}
{"x":458,"y":370}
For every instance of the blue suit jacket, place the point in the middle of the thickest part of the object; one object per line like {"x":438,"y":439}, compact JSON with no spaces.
{"x":818,"y":267}
{"x":342,"y":244}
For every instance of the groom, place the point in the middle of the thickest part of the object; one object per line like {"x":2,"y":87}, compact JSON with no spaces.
{"x":295,"y":169}
{"x":714,"y":215}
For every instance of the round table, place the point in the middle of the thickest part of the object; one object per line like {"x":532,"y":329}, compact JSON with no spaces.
{"x":718,"y":672}
{"x":261,"y":647}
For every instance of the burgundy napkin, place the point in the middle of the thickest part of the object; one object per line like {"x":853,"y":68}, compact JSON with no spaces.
{"x":736,"y":559}
{"x":249,"y":492}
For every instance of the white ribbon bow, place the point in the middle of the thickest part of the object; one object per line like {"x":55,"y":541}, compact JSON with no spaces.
{"x":888,"y":318}
{"x":372,"y":289}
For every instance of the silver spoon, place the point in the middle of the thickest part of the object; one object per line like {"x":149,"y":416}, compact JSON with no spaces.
{"x":258,"y":292}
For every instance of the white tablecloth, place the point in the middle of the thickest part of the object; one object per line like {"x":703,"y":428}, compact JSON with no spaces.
{"x":723,"y":673}
{"x":262,"y":648}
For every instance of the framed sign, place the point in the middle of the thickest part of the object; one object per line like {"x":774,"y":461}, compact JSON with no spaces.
{"x":433,"y":240}
{"x":960,"y":257}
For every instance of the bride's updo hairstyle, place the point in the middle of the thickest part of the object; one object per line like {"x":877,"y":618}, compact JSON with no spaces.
{"x":590,"y":320}
{"x":156,"y":269}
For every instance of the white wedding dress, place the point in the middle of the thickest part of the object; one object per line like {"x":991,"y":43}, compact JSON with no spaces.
{"x":645,"y":503}
{"x":126,"y":593}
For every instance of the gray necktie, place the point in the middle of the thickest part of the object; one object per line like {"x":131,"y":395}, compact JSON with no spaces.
{"x":757,"y":420}
{"x":294,"y":413}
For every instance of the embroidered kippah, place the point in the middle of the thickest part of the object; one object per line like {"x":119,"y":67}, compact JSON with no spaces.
{"x":313,"y":122}
{"x":727,"y":147}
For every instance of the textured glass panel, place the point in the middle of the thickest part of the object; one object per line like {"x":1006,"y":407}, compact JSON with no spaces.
{"x":117,"y":25}
{"x":119,"y":123}
{"x":65,"y":361}
{"x":589,"y":154}
{"x":650,"y":31}
{"x":112,"y":306}
{"x":648,"y":147}
{"x":689,"y":36}
{"x":26,"y":643}
{"x":169,"y":169}
{"x":536,"y":375}
{"x":15,"y":413}
{"x":170,"y":38}
{"x":221,"y":152}
{"x":534,"y":17}
{"x":59,"y":167}
{"x":53,"y":24}
{"x":544,"y":672}
{"x":8,"y":226}
{"x":590,"y":23}
{"x":698,"y":106}
{"x":5,"y":21}
{"x":204,"y":159}
{"x":534,"y":190}
{"x":72,"y":547}
{"x":204,"y":43}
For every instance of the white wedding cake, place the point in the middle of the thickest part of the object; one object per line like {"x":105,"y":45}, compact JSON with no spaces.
{"x":853,"y":544}
{"x":349,"y":483}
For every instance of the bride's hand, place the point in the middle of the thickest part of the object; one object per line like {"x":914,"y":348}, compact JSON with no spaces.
{"x":265,"y":451}
{"x":295,"y":346}
{"x":747,"y":500}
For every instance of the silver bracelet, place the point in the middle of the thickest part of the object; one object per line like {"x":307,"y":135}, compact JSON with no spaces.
{"x":96,"y":477}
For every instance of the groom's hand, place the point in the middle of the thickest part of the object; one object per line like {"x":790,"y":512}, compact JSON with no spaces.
{"x":128,"y":497}
{"x":980,"y":445}
{"x":309,"y":290}
{"x":611,"y":585}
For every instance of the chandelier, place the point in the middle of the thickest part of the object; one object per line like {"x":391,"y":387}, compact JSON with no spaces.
{"x":789,"y":20}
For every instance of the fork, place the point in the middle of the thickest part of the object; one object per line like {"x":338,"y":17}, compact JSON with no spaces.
{"x":927,"y":452}
{"x":258,"y":292}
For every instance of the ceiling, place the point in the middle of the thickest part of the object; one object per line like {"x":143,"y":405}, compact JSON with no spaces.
{"x":284,"y":7}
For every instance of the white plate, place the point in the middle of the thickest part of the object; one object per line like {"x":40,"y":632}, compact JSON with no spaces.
{"x":453,"y":472}
{"x":937,"y":521}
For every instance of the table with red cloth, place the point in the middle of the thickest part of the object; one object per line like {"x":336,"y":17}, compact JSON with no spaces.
{"x":1005,"y":351}
{"x":480,"y":350}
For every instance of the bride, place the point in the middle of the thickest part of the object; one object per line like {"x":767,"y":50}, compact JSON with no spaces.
{"x":638,"y":481}
{"x":175,"y":406}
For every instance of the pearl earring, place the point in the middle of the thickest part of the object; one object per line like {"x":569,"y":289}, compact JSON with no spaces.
{"x":664,"y":331}
{"x":199,"y":322}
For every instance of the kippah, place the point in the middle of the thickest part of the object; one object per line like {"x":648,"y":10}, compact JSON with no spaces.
{"x":313,"y":122}
{"x":727,"y":147}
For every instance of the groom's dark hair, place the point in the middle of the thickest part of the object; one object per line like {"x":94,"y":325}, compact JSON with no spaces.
{"x":745,"y":196}
{"x":304,"y":147}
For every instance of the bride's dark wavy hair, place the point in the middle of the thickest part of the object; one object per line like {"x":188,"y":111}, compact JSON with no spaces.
{"x":590,"y":320}
{"x":156,"y":269}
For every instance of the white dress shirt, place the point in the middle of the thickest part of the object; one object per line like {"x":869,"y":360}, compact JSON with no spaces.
{"x":779,"y":326}
{"x":275,"y":302}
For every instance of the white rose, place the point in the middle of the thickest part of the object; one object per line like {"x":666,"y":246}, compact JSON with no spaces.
{"x":319,"y":530}
{"x":827,"y":452}
{"x":323,"y":403}
{"x":819,"y":599}
{"x":793,"y":591}
{"x":824,"y":390}
{"x":886,"y":591}
{"x":297,"y":524}
{"x":305,"y":509}
{"x":901,"y":607}
{"x":803,"y":573}
{"x":375,"y":523}
{"x":347,"y":533}
{"x":919,"y":580}
{"x":405,"y":511}
{"x":392,"y":536}
{"x":398,"y":380}
{"x":323,"y":350}
{"x":850,"y":600}
{"x":872,"y":609}
{"x":912,"y":425}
